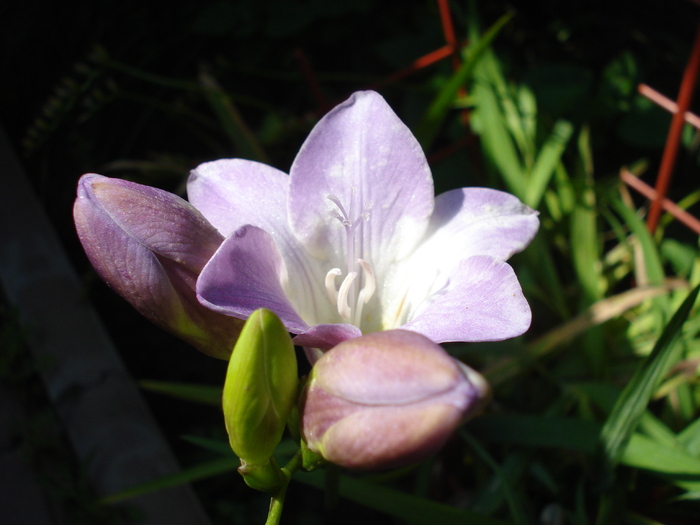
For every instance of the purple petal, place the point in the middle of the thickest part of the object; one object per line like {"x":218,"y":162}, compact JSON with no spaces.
{"x":482,"y":301}
{"x":149,"y":246}
{"x":161,"y":221}
{"x":233,"y":192}
{"x":326,"y":336}
{"x":363,"y":157}
{"x":395,"y":367}
{"x":479,"y":221}
{"x":246,"y":274}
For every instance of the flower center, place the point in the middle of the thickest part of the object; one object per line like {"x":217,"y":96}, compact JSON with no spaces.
{"x":348,"y":301}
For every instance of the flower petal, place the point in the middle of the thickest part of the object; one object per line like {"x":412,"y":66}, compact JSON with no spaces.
{"x":233,"y":192}
{"x":363,"y":157}
{"x":245,"y":274}
{"x":481,"y":301}
{"x":149,"y":246}
{"x":326,"y":336}
{"x":477,"y":221}
{"x":161,"y":221}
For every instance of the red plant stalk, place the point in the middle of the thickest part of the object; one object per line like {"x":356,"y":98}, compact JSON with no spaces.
{"x":673,"y":139}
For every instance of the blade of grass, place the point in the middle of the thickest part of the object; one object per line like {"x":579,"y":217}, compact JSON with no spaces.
{"x":550,"y":432}
{"x":496,"y":141}
{"x":546,"y":162}
{"x":488,"y":500}
{"x":653,"y":268}
{"x":645,"y":453}
{"x":690,"y":438}
{"x":444,"y":101}
{"x":245,"y":142}
{"x":205,"y":394}
{"x":515,"y":506}
{"x":398,"y":504}
{"x":635,"y":397}
{"x":201,"y":471}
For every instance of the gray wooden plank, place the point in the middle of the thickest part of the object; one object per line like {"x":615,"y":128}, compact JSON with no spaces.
{"x":98,"y":402}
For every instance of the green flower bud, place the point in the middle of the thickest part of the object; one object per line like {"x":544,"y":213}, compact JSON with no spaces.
{"x":260,"y":391}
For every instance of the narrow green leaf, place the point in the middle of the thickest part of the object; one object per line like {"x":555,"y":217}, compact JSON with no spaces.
{"x":444,"y":101}
{"x":492,"y":496}
{"x":690,"y":438}
{"x":645,"y":453}
{"x":246,"y":143}
{"x":652,"y":271}
{"x":635,"y":397}
{"x":205,"y":394}
{"x":515,"y":505}
{"x":536,"y":431}
{"x":201,"y":471}
{"x":655,"y":429}
{"x":546,"y":162}
{"x":585,"y":248}
{"x":496,"y":141}
{"x":399,"y":504}
{"x":215,"y":445}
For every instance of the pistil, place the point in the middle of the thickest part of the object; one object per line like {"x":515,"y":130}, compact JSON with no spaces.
{"x":349,"y":303}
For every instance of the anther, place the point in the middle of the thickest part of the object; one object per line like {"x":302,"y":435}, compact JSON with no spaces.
{"x":344,"y":308}
{"x":367,"y":290}
{"x":330,"y":284}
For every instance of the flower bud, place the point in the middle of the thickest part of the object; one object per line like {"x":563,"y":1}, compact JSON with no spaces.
{"x":387,"y":399}
{"x":260,"y":389}
{"x":149,"y":246}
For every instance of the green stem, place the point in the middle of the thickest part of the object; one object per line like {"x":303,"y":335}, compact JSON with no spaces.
{"x":277,"y":501}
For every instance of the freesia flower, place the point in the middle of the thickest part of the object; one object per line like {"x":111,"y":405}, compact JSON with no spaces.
{"x":354,"y":241}
{"x":386,"y":400}
{"x":149,"y":246}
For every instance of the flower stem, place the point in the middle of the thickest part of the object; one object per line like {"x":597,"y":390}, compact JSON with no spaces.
{"x":277,"y":502}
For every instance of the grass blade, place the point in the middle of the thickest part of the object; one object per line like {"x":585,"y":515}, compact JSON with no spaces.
{"x":246,"y":143}
{"x":635,"y":397}
{"x":201,"y":471}
{"x":399,"y":504}
{"x":546,"y":162}
{"x":205,"y":394}
{"x":444,"y":101}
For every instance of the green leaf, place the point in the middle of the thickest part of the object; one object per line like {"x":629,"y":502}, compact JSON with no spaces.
{"x":201,"y":471}
{"x":205,"y":394}
{"x":215,"y":445}
{"x":246,"y":143}
{"x":652,"y":269}
{"x":546,"y":162}
{"x":635,"y":397}
{"x":445,"y":99}
{"x":690,"y":438}
{"x":496,"y":141}
{"x":645,"y":453}
{"x":536,"y":431}
{"x":399,"y":504}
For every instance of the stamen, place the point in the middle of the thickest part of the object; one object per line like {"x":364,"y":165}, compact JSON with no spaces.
{"x":330,"y":284}
{"x":370,"y":284}
{"x":367,"y":290}
{"x":343,"y":307}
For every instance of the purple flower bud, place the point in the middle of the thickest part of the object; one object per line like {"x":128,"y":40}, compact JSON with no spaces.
{"x":150,"y":246}
{"x":387,"y":399}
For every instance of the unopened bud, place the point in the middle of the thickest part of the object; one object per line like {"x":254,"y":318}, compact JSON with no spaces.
{"x":259,"y":392}
{"x":386,"y":400}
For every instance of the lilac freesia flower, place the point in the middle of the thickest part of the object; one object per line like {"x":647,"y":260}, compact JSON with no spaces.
{"x":354,"y":241}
